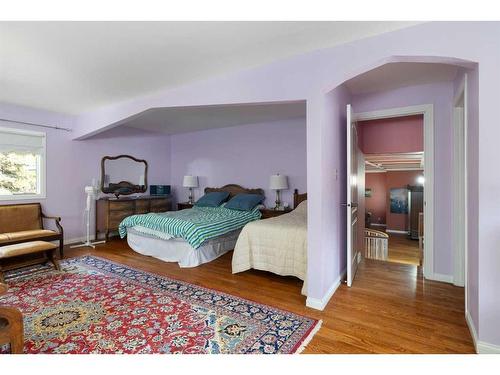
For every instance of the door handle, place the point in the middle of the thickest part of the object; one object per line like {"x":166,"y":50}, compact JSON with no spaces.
{"x":349,"y":204}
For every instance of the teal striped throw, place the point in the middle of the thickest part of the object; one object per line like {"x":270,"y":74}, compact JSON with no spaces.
{"x":195,"y":225}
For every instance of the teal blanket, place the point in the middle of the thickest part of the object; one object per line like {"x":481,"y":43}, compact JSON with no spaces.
{"x":195,"y":225}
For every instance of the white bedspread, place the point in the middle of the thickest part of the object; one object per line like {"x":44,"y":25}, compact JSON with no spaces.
{"x":178,"y":250}
{"x":277,"y":245}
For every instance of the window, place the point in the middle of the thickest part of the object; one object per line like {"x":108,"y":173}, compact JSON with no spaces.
{"x":22,"y":164}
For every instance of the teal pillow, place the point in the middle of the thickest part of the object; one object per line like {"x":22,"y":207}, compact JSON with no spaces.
{"x":244,"y":202}
{"x":213,"y":199}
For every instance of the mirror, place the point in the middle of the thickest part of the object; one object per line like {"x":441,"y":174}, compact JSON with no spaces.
{"x":123,"y":175}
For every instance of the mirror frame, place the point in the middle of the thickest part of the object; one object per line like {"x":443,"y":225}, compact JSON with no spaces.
{"x":126,"y":184}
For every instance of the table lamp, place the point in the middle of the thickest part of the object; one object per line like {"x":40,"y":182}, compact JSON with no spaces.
{"x":278,"y":182}
{"x":190,"y":182}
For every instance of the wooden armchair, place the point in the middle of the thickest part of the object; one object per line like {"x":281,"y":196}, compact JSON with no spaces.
{"x":25,"y":222}
{"x":11,"y":326}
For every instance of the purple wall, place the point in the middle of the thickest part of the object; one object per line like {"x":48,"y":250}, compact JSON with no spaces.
{"x":246,"y":155}
{"x":326,"y":151}
{"x":71,"y":165}
{"x":441,"y":96}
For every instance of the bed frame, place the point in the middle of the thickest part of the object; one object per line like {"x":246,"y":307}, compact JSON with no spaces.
{"x":234,"y":189}
{"x":298,"y":198}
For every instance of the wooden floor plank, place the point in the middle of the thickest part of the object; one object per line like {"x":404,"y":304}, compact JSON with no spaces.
{"x":389,"y":309}
{"x":403,"y":250}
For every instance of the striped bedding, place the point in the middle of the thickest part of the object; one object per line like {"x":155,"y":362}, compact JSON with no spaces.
{"x":195,"y":225}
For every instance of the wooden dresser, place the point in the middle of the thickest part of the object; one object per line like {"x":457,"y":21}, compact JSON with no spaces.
{"x":110,"y":212}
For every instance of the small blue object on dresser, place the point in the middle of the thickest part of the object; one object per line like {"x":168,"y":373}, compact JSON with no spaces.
{"x":245,"y":202}
{"x":213,"y":199}
{"x":159,"y":189}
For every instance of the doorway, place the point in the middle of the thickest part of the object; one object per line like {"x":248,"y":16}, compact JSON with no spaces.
{"x":400,"y":199}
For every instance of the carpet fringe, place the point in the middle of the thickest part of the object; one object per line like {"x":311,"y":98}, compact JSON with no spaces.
{"x":309,"y":337}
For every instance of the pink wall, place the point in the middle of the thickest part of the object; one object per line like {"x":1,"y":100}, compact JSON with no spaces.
{"x":400,"y":134}
{"x":399,"y":179}
{"x":377,"y":203}
{"x":246,"y":155}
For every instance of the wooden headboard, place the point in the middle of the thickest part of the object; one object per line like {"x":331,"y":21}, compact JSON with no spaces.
{"x":234,"y":189}
{"x":298,"y":198}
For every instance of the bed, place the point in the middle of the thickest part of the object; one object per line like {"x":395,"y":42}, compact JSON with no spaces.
{"x":189,"y":237}
{"x":277,"y":245}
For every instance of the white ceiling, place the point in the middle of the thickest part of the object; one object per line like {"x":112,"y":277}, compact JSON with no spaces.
{"x":175,"y":120}
{"x":73,"y":67}
{"x":395,"y":75}
{"x":408,"y":161}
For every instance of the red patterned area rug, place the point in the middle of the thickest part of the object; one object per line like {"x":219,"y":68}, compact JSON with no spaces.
{"x":97,"y":306}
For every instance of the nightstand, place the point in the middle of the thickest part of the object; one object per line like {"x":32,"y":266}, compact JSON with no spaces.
{"x":184,"y":205}
{"x":269,"y":212}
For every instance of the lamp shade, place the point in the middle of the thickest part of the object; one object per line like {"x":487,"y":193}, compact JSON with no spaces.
{"x":278,"y":182}
{"x":190,"y":181}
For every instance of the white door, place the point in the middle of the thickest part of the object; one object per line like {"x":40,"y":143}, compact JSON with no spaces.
{"x":352,"y":198}
{"x":460,"y":212}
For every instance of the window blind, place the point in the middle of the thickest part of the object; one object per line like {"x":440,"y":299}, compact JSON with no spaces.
{"x":18,"y":141}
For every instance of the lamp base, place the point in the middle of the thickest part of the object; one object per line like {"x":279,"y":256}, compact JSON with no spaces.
{"x":278,"y":201}
{"x":191,"y":199}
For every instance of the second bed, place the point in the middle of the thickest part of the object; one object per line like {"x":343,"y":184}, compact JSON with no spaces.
{"x":277,"y":245}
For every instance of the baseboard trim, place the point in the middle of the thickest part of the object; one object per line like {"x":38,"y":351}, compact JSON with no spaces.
{"x":320,"y":304}
{"x":472,"y":329}
{"x":486,"y":348}
{"x":396,"y":231}
{"x":480,"y":346}
{"x":440,"y":277}
{"x":72,"y":241}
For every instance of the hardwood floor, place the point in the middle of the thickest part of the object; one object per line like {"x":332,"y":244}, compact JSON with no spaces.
{"x":403,"y":250}
{"x":389,"y":309}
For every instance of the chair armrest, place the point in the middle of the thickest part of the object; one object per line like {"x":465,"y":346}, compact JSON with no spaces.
{"x":3,"y":288}
{"x":57,"y":219}
{"x":13,"y":315}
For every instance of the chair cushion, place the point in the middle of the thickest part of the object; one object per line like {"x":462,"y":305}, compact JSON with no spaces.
{"x":25,"y":248}
{"x":18,"y":217}
{"x":26,"y":235}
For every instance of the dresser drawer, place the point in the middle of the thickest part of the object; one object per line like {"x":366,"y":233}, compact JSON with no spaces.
{"x":159,"y":205}
{"x":141,"y":206}
{"x":110,"y":212}
{"x":115,"y":218}
{"x":157,"y":209}
{"x":122,"y":205}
